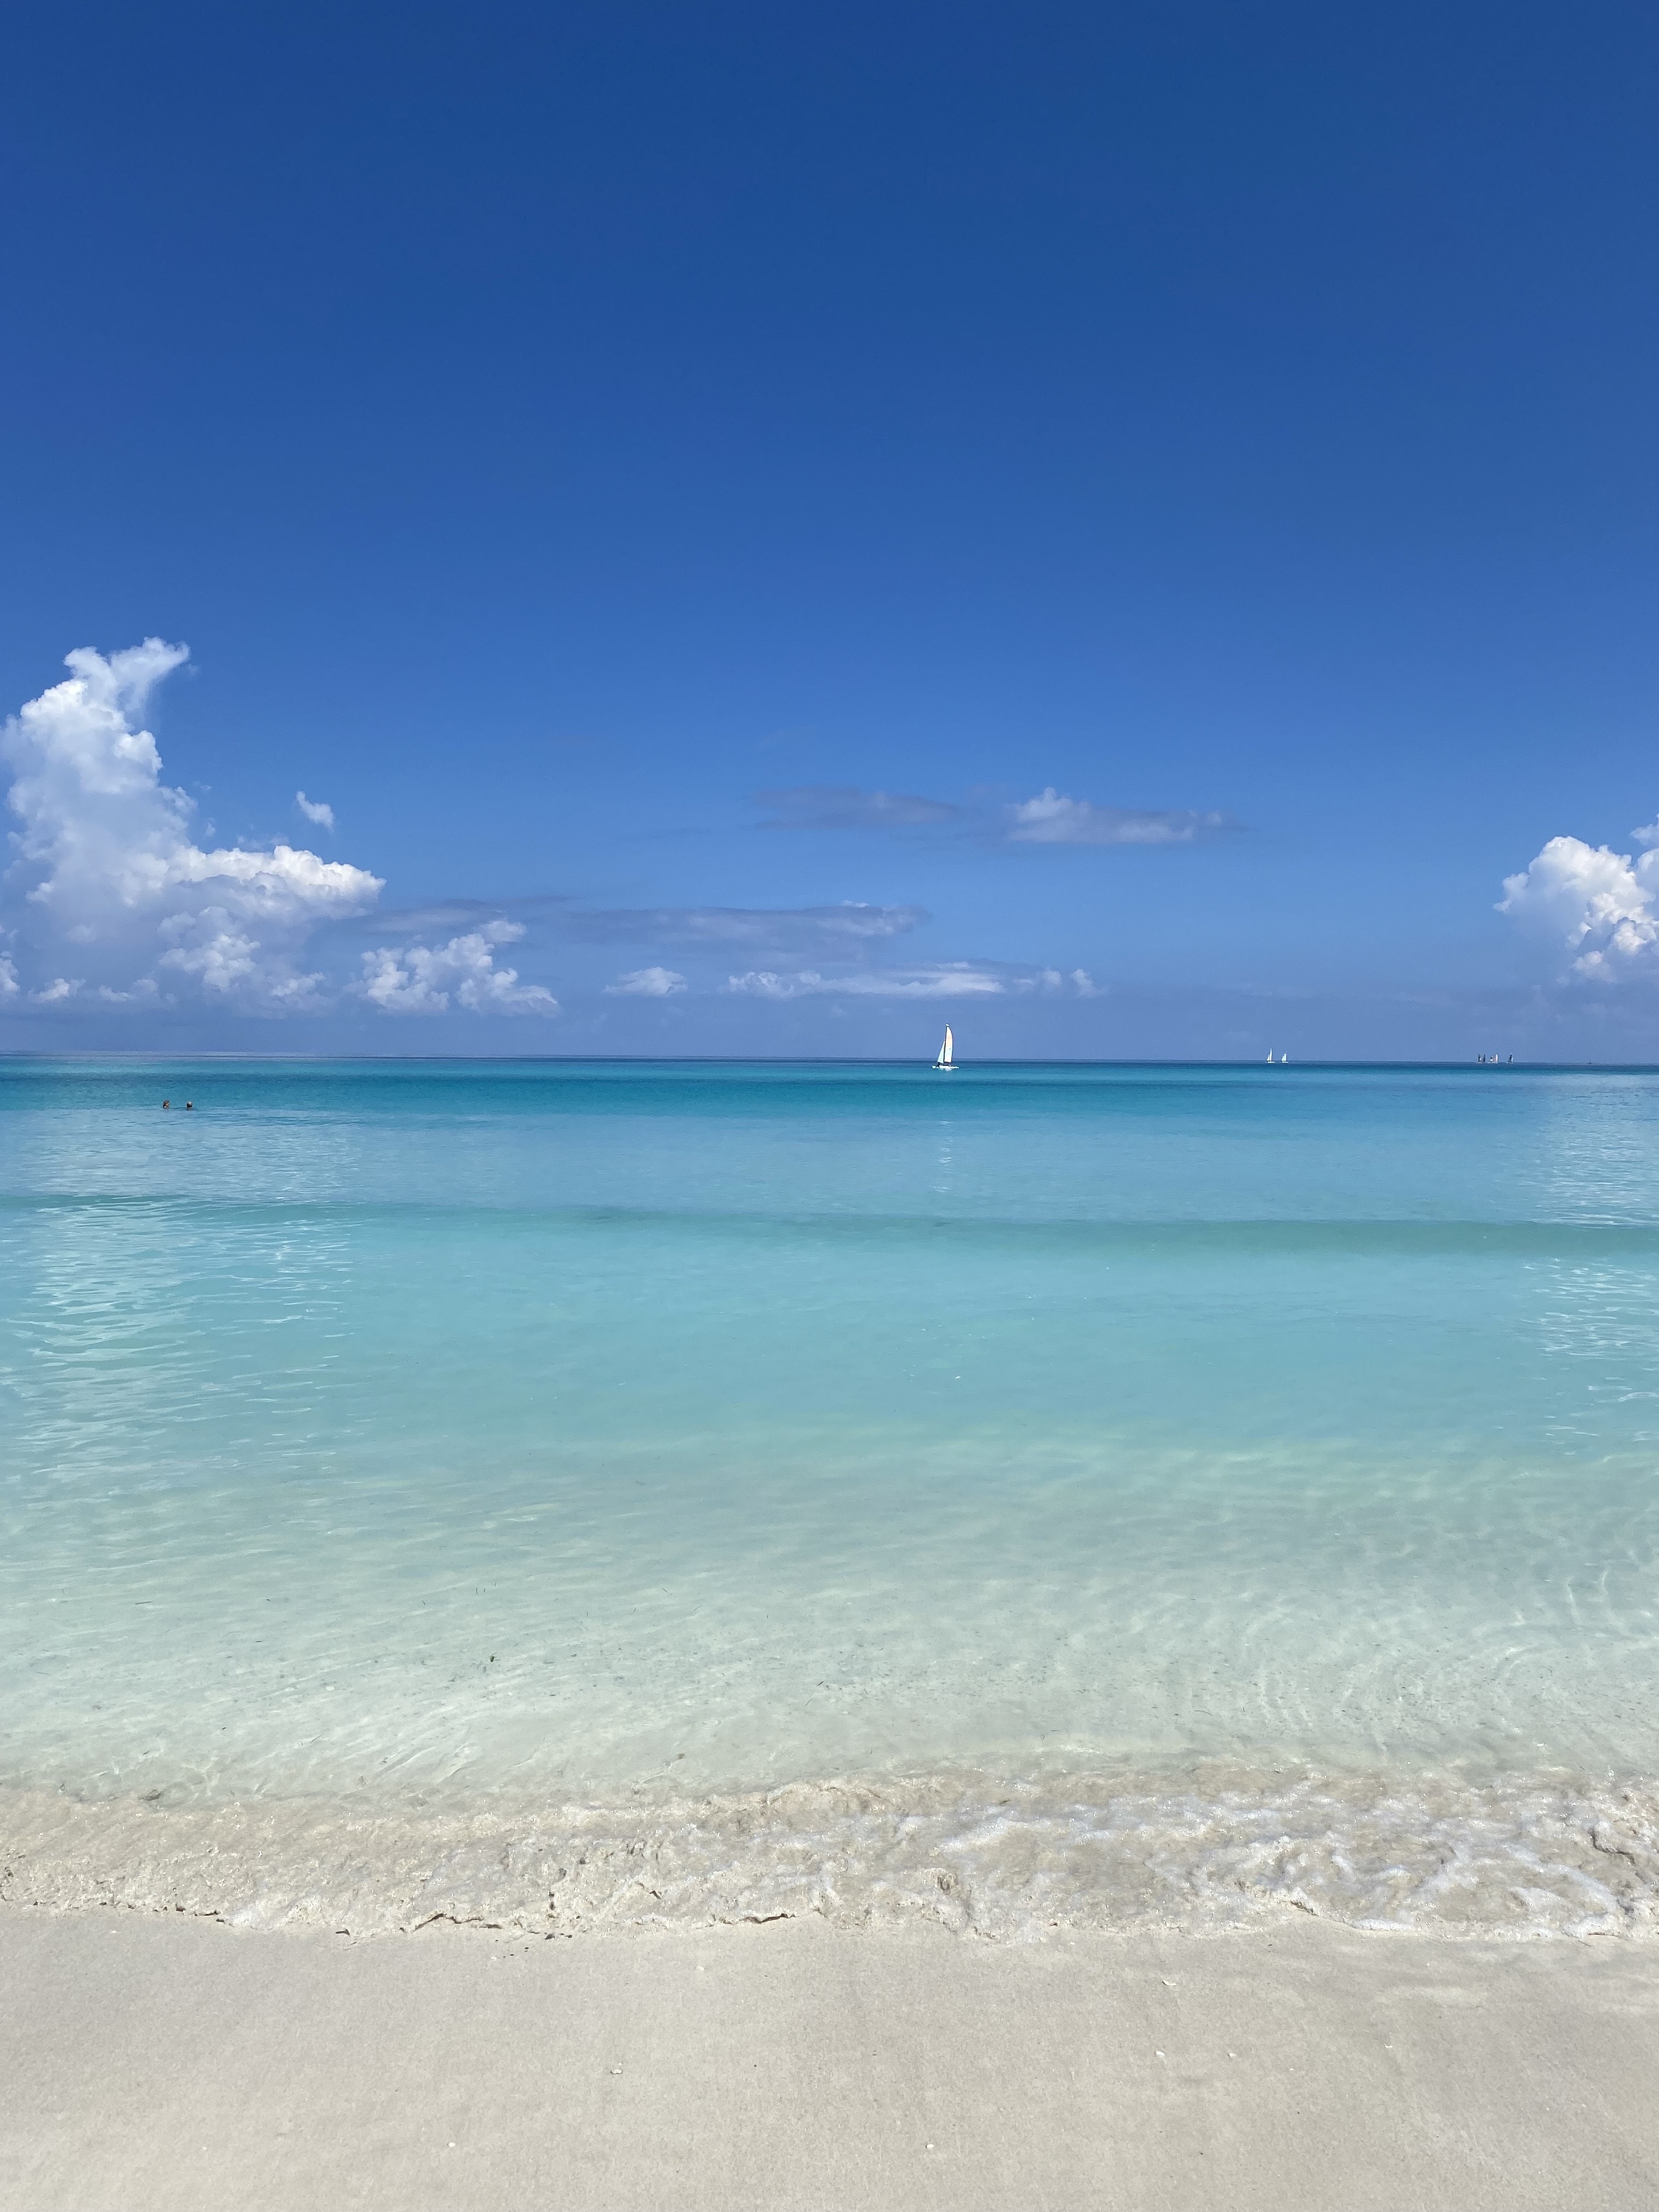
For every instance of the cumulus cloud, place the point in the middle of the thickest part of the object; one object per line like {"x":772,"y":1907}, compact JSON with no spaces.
{"x":1052,"y":818}
{"x":9,"y":986}
{"x":1600,"y":906}
{"x":427,"y":979}
{"x":1084,"y":984}
{"x":647,"y":983}
{"x":315,"y":810}
{"x":844,"y":807}
{"x":107,"y":861}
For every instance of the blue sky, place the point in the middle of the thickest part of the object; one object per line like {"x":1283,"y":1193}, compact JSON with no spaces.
{"x":680,"y":485}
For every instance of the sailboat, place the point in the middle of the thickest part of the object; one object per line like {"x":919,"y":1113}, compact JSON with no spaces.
{"x":947,"y":1063}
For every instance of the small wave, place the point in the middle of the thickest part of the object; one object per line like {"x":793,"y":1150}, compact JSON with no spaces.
{"x":1209,"y":1847}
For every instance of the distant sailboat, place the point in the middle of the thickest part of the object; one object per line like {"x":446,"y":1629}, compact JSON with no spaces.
{"x":947,"y":1063}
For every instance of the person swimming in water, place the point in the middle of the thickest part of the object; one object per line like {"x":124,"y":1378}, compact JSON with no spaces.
{"x":166,"y":1102}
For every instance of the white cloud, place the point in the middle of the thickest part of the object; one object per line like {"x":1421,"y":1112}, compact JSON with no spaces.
{"x":424,"y":979}
{"x":315,"y":810}
{"x":1051,"y":982}
{"x":648,"y":983}
{"x":943,"y":979}
{"x":55,"y":993}
{"x":949,"y":980}
{"x":1051,"y":818}
{"x":762,"y":983}
{"x":1599,"y":905}
{"x":107,"y":861}
{"x":9,"y":986}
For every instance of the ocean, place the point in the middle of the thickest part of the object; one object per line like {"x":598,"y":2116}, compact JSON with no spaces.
{"x":562,"y":1496}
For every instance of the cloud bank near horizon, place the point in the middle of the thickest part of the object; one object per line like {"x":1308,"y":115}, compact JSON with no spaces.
{"x":424,"y":979}
{"x":111,"y":902}
{"x":647,"y":983}
{"x":943,"y":979}
{"x":116,"y":900}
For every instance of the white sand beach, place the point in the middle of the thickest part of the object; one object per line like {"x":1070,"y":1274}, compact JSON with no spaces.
{"x":161,"y":2065}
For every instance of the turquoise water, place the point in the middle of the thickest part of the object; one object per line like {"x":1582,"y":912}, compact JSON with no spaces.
{"x":414,"y":1441}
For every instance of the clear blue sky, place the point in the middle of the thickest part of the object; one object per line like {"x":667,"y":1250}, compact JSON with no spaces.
{"x":553,"y":428}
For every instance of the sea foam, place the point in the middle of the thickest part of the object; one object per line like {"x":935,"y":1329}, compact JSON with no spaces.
{"x":1009,"y":1860}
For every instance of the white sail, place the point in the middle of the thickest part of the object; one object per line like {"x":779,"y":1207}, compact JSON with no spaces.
{"x":946,"y":1051}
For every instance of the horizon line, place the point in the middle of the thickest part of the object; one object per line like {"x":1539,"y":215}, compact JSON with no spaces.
{"x":796,"y":1060}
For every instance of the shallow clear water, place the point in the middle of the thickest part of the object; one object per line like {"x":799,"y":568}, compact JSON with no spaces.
{"x":428,"y":1439}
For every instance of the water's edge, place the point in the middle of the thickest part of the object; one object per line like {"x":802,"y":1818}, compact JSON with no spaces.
{"x":1210,"y":1847}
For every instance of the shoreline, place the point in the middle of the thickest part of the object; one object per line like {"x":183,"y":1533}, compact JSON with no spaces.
{"x":1202,"y":1846}
{"x":155,"y":2062}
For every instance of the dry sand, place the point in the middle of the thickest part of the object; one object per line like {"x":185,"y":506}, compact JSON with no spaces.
{"x":151,"y":2063}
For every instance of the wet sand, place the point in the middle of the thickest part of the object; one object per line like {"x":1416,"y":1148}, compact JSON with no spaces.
{"x":174,"y":2064}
